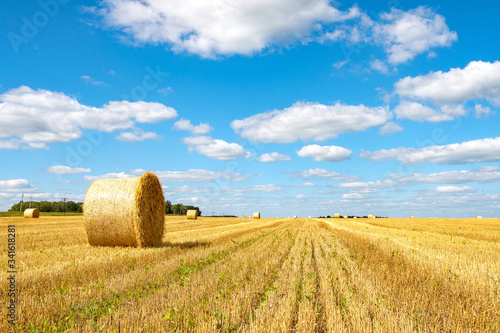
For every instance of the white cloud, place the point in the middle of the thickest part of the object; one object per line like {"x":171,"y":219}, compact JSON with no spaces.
{"x":418,"y":112}
{"x":191,"y":175}
{"x":211,"y":28}
{"x":137,"y":135}
{"x":379,"y":66}
{"x":215,"y":148}
{"x":407,"y":34}
{"x":448,"y":190}
{"x":325,"y":153}
{"x":269,"y":188}
{"x":35,"y":118}
{"x":111,"y":175}
{"x":353,"y":195}
{"x":309,"y":121}
{"x":92,"y":81}
{"x":185,"y":125}
{"x":477,"y":80}
{"x":372,"y":184}
{"x":390,"y":128}
{"x":486,"y":174}
{"x":66,"y":170}
{"x":482,"y":150}
{"x":321,"y":173}
{"x":273,"y":157}
{"x":482,"y":112}
{"x":16,"y":185}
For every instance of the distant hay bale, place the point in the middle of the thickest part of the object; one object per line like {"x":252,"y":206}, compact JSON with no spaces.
{"x":479,"y":217}
{"x":336,"y":215}
{"x":125,"y":212}
{"x":256,"y":215}
{"x":310,"y":216}
{"x":370,"y":216}
{"x":412,"y":217}
{"x":192,"y":214}
{"x":346,"y":217}
{"x":355,"y":217}
{"x":32,"y":213}
{"x":295,"y":216}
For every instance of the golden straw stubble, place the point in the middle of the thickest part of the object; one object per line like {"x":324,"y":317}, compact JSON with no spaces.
{"x":125,"y":212}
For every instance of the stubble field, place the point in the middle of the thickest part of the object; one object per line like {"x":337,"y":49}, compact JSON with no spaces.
{"x":267,"y":275}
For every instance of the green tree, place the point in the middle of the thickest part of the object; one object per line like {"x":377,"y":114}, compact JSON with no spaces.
{"x":168,"y":207}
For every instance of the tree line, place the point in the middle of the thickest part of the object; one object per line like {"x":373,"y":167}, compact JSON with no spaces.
{"x":76,"y":207}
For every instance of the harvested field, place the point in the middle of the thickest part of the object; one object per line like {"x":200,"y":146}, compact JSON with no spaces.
{"x":260,"y":275}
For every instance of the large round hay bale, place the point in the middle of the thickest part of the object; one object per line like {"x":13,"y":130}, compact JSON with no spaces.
{"x":336,"y":215}
{"x":256,"y":215}
{"x":125,"y":212}
{"x":32,"y":213}
{"x":192,"y":214}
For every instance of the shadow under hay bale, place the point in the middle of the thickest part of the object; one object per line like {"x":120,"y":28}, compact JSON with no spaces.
{"x":125,"y":212}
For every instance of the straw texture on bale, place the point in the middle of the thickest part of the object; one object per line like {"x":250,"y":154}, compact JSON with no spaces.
{"x":256,"y":215}
{"x":125,"y":212}
{"x":32,"y":213}
{"x":336,"y":215}
{"x":192,"y":214}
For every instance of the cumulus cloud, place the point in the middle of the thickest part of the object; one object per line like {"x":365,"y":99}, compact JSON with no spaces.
{"x":66,"y":170}
{"x":137,"y":135}
{"x":16,"y":185}
{"x":322,"y":174}
{"x":486,"y":174}
{"x":379,"y":66}
{"x":477,"y":80}
{"x":419,"y":112}
{"x":390,"y":128}
{"x":211,"y":28}
{"x":93,"y":81}
{"x":447,"y":190}
{"x":273,"y":157}
{"x":191,"y":175}
{"x":475,"y":151}
{"x":185,"y":125}
{"x":215,"y":148}
{"x":325,"y":153}
{"x":35,"y":118}
{"x":309,"y":121}
{"x":407,"y":34}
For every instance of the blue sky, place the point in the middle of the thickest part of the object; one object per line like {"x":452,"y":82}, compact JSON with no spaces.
{"x":284,"y":107}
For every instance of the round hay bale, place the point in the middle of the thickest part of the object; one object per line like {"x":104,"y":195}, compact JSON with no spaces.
{"x":310,"y":216}
{"x":370,"y":216}
{"x":32,"y":213}
{"x":192,"y":214}
{"x":336,"y":215}
{"x":412,"y":217}
{"x":295,"y":216}
{"x":479,"y":217}
{"x":125,"y":212}
{"x":256,"y":215}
